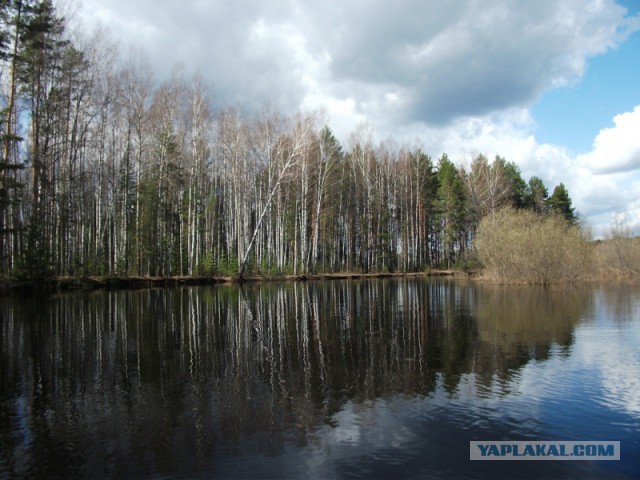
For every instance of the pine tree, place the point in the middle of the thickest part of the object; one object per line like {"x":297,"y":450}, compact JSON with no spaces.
{"x":426,"y":193}
{"x":451,"y":207}
{"x":560,"y":204}
{"x":38,"y":75}
{"x":517,"y":185}
{"x":14,"y":16}
{"x":537,"y":195}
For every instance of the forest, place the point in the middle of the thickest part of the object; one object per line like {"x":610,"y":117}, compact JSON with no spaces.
{"x":107,"y":170}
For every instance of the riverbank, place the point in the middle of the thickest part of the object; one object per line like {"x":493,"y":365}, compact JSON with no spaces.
{"x":70,"y":283}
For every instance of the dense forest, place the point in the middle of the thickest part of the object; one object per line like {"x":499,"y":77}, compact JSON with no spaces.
{"x":107,"y":170}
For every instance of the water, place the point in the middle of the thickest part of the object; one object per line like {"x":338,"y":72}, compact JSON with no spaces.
{"x":336,"y":379}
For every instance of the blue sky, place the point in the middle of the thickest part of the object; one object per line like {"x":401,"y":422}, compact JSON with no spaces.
{"x":551,"y":85}
{"x":573,"y":115}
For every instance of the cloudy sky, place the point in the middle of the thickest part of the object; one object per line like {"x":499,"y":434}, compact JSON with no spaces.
{"x":553,"y":85}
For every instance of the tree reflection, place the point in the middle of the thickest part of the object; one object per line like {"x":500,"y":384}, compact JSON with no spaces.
{"x":130,"y":383}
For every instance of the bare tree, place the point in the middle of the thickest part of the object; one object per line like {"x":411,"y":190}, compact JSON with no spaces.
{"x":289,"y":150}
{"x":487,"y":185}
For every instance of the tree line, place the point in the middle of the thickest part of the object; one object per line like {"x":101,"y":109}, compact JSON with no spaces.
{"x":105,"y":170}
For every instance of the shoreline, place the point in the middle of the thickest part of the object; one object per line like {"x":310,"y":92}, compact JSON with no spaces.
{"x":89,"y":283}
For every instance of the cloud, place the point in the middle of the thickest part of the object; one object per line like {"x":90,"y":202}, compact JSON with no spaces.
{"x":469,"y":58}
{"x":409,"y":61}
{"x":616,"y":149}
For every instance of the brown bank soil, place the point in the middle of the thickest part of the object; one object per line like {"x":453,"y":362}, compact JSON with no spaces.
{"x":67,"y":283}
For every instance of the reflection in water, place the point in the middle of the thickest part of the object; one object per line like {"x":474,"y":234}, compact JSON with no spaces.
{"x":146,"y":382}
{"x":617,"y":368}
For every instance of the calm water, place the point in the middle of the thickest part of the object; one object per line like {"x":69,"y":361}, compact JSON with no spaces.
{"x":344,"y":379}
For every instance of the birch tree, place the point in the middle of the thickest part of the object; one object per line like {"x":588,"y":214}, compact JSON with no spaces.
{"x":327,"y":154}
{"x":199,"y":155}
{"x":136,"y":81}
{"x":290,"y":150}
{"x":487,"y":186}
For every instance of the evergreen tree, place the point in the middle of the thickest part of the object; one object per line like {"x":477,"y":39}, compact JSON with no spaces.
{"x":537,"y":195}
{"x":14,"y":16}
{"x":560,"y":203}
{"x":423,"y":212}
{"x":39,"y":76}
{"x":517,"y":185}
{"x":451,"y":209}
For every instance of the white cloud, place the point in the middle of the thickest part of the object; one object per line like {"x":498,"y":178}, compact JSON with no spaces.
{"x":616,"y":149}
{"x":440,"y":61}
{"x":605,"y":181}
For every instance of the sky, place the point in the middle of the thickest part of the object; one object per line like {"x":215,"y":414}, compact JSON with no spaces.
{"x":553,"y":85}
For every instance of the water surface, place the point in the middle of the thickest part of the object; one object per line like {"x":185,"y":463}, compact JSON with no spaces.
{"x":335,"y":379}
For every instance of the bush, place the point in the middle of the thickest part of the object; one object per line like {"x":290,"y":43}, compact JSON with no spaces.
{"x":619,"y":254}
{"x":521,"y":246}
{"x":207,"y":263}
{"x":35,"y":263}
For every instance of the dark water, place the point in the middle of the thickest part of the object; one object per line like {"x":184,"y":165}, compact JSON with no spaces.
{"x":362,"y":379}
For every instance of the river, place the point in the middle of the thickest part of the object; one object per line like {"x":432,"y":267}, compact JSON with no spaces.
{"x":329,"y":379}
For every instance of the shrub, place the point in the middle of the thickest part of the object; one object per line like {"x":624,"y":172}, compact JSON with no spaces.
{"x":521,"y":246}
{"x":619,"y":253}
{"x":207,"y":263}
